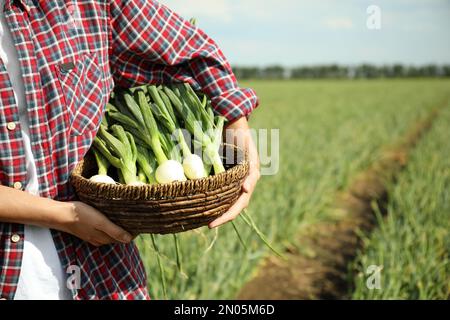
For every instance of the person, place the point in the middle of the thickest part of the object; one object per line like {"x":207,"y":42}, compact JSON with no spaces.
{"x":60,"y":60}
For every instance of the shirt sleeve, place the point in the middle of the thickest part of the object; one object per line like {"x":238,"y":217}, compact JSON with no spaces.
{"x":152,"y":44}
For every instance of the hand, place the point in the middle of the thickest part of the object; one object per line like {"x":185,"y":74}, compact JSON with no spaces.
{"x":75,"y":218}
{"x":89,"y":224}
{"x":242,"y":136}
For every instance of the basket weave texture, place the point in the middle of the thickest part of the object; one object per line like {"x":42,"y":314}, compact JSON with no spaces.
{"x":164,"y":208}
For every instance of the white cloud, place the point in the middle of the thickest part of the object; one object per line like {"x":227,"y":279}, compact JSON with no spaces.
{"x":338,"y":23}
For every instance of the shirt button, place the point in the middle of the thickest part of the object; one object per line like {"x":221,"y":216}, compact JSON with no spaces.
{"x":15,"y":238}
{"x":11,"y":126}
{"x":18,"y":185}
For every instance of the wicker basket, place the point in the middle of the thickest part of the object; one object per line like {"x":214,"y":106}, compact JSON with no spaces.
{"x":164,"y":208}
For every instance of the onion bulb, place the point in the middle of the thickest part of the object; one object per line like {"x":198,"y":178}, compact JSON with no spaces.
{"x":170,"y":171}
{"x":137,"y":184}
{"x":101,"y":178}
{"x":193,"y":167}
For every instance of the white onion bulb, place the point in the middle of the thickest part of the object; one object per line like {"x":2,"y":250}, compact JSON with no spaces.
{"x":170,"y":171}
{"x":193,"y":167}
{"x":102,"y":179}
{"x":137,"y":184}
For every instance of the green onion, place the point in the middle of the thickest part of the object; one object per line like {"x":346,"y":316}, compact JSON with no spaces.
{"x":120,"y":150}
{"x":147,"y":163}
{"x":103,"y":165}
{"x":168,"y":171}
{"x":194,"y":127}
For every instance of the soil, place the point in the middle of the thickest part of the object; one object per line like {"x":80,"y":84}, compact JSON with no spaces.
{"x":321,"y":271}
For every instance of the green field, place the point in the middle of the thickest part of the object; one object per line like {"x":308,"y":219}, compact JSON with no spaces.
{"x":412,"y":244}
{"x":329,"y":131}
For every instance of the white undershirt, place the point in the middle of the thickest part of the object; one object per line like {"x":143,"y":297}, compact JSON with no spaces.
{"x":41,"y":274}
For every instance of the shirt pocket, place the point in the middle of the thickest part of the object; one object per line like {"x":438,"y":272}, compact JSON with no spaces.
{"x":81,"y":82}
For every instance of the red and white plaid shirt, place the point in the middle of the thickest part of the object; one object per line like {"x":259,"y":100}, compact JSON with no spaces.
{"x":72,"y":54}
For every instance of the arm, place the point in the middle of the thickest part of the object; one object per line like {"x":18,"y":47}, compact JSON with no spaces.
{"x":152,"y":44}
{"x":75,"y":218}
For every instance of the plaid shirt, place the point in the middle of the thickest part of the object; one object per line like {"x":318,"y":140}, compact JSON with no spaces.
{"x":72,"y":54}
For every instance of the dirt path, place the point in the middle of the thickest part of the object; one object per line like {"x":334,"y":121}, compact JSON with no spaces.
{"x":322,"y":272}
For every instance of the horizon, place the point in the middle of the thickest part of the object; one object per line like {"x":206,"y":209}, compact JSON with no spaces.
{"x":343,"y":65}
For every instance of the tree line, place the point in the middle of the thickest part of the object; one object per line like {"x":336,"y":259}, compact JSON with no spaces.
{"x":364,"y":71}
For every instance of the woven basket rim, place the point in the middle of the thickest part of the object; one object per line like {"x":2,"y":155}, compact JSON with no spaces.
{"x":117,"y":191}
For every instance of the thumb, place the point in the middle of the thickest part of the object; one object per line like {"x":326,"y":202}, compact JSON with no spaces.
{"x":116,"y":232}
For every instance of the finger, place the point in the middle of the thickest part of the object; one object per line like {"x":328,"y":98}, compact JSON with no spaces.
{"x":115,"y":232}
{"x":95,"y":243}
{"x":111,"y":229}
{"x":233,"y":212}
{"x":99,"y":238}
{"x":254,"y":172}
{"x":250,"y":183}
{"x":103,"y":238}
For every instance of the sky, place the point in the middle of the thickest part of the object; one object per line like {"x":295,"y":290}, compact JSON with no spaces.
{"x":300,"y":32}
